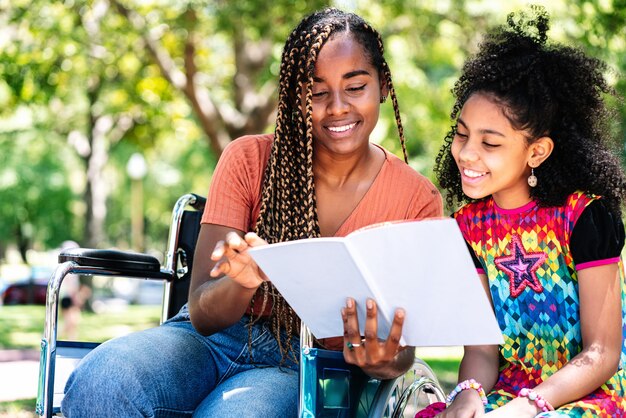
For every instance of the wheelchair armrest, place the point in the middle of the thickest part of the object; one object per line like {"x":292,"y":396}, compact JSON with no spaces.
{"x":198,"y":202}
{"x":123,"y":262}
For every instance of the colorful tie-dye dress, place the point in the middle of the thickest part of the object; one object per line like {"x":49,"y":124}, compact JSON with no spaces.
{"x":531,"y":263}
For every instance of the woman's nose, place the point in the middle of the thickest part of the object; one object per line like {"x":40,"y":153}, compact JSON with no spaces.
{"x":338,"y":104}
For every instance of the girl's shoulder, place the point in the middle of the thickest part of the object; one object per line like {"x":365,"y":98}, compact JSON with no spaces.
{"x":472,"y":209}
{"x":576,"y":203}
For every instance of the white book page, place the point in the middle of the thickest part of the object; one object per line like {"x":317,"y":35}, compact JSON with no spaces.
{"x":315,"y":276}
{"x":425,"y":268}
{"x":421,"y":266}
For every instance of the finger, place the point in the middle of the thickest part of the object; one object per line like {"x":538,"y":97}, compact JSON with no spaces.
{"x":218,"y":251}
{"x":254,"y":240}
{"x":351,"y":335}
{"x":371,"y":325}
{"x":220,"y":268}
{"x":395,"y":333}
{"x":235,"y":242}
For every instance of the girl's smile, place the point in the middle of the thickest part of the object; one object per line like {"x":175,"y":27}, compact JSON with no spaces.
{"x":492,"y":156}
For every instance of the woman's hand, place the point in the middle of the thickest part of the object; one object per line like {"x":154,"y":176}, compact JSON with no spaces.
{"x":234,"y":261}
{"x":379,"y":359}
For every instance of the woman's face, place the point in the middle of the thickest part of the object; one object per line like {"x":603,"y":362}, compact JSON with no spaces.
{"x":491,"y":154}
{"x":346,"y":97}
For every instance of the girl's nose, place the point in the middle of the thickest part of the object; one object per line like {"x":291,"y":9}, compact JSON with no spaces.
{"x":467,"y":152}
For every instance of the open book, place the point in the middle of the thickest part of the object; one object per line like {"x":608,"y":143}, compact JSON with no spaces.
{"x":422,"y":266}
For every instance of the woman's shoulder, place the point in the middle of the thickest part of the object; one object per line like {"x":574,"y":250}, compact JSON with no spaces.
{"x":247,"y":143}
{"x":249,"y":148}
{"x":401,"y":171}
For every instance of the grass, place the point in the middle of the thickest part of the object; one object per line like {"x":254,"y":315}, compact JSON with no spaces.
{"x":24,"y":408}
{"x":446,"y":370}
{"x":21,"y":327}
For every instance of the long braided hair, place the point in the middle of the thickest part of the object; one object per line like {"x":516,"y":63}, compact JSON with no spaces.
{"x":288,"y":207}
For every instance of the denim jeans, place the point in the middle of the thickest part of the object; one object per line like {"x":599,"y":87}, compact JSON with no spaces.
{"x":172,"y":371}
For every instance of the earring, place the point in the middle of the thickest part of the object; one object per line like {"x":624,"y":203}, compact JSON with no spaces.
{"x":294,"y":115}
{"x":532,"y":179}
{"x":383,"y":99}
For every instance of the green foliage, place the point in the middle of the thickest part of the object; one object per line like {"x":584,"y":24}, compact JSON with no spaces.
{"x":36,"y":198}
{"x":70,"y":69}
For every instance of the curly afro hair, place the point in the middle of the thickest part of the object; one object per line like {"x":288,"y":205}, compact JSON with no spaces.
{"x":544,"y":90}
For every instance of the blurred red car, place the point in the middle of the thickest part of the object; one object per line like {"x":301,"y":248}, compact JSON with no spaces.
{"x":31,"y":291}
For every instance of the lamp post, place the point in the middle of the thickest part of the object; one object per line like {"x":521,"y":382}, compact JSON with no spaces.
{"x":137,"y":170}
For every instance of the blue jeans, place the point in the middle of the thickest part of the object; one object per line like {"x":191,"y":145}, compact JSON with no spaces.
{"x":172,"y":371}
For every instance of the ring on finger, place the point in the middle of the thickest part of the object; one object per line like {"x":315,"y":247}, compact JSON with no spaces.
{"x":352,"y":346}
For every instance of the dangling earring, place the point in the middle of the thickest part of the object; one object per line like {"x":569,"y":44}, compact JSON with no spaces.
{"x":383,"y":99}
{"x":532,"y":179}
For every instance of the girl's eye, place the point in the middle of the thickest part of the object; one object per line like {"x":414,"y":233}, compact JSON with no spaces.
{"x":461,"y":136}
{"x":489,"y":145}
{"x":319,"y":94}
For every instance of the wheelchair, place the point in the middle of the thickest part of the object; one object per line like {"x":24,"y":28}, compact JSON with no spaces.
{"x":328,"y":386}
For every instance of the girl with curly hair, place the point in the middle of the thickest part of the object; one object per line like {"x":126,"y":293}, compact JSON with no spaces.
{"x":233,"y":350}
{"x":529,"y":156}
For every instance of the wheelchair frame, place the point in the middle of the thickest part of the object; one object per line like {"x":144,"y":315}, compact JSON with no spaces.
{"x":390,"y":397}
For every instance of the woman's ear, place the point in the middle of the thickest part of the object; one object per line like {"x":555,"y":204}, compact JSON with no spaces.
{"x":540,"y":150}
{"x":384,"y":89}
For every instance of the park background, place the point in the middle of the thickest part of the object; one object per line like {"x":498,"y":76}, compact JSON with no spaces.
{"x":111,"y":109}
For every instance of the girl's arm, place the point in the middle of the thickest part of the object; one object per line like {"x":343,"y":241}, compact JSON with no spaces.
{"x":601,"y":327}
{"x":480,"y":363}
{"x":223,"y":280}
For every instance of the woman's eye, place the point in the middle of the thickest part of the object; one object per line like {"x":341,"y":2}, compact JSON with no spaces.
{"x":489,"y":145}
{"x":319,"y":94}
{"x":357,"y":88}
{"x":461,"y":135}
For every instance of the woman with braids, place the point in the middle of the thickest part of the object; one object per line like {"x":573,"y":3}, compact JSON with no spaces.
{"x":530,"y":157}
{"x":317,"y":175}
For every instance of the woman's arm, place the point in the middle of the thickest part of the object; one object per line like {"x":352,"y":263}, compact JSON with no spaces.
{"x":601,"y":327}
{"x":223,"y":280}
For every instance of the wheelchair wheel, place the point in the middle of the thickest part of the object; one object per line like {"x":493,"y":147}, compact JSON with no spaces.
{"x":413,"y":391}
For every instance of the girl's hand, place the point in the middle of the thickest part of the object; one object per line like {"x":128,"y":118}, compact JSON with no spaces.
{"x":467,"y":404}
{"x":234,"y":261}
{"x":380,"y":359}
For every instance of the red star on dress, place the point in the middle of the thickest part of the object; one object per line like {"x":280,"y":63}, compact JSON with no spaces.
{"x":521,"y":267}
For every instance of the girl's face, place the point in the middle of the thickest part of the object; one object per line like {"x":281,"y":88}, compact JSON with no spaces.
{"x":346,"y":97}
{"x":492,"y":156}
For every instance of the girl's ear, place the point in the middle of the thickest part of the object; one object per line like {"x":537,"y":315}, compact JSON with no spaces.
{"x":540,"y":150}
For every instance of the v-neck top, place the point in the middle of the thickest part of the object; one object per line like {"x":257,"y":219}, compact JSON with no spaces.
{"x":397,"y":193}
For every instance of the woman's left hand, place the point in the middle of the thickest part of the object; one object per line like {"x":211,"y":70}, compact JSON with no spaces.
{"x":380,"y":359}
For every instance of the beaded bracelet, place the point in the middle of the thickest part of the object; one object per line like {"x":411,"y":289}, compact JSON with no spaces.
{"x":541,"y":403}
{"x":468,"y":384}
